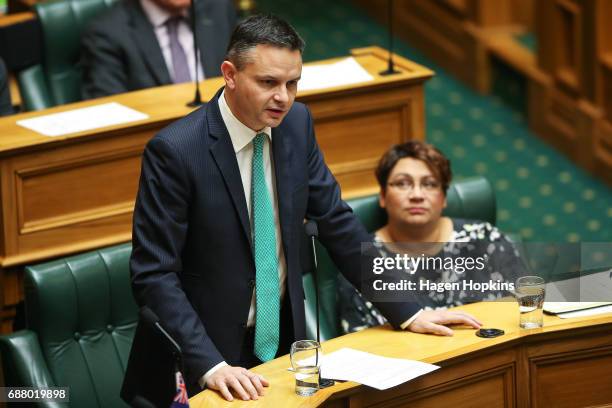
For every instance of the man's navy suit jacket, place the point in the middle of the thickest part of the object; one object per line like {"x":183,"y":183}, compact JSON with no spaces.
{"x":120,"y":51}
{"x":192,"y":262}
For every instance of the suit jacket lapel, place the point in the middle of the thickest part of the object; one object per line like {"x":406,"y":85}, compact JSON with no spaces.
{"x":282,"y":170}
{"x":223,"y":153}
{"x":146,"y":41}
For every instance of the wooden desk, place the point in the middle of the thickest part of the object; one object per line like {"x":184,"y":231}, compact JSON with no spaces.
{"x":568,"y":363}
{"x":73,"y":193}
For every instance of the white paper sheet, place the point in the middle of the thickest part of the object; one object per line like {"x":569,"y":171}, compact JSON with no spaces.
{"x":79,"y":120}
{"x":566,"y":307}
{"x":345,"y":72}
{"x":587,"y":312}
{"x":369,"y":369}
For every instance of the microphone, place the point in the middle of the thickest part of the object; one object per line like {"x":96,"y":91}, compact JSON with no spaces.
{"x":197,"y":99}
{"x":312,"y":231}
{"x":390,"y":67}
{"x":149,"y":317}
{"x":140,"y":402}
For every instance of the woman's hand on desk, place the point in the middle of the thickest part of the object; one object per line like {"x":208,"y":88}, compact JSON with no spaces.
{"x":246,"y":384}
{"x":434,"y":321}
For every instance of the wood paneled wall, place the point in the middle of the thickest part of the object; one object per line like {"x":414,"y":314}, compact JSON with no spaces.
{"x":569,"y":77}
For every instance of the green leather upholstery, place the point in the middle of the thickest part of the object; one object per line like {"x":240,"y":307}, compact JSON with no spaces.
{"x":58,"y":79}
{"x":81,"y":318}
{"x":472,"y":198}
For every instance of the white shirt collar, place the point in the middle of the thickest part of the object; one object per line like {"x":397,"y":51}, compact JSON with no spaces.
{"x":240,"y":134}
{"x":157,"y":15}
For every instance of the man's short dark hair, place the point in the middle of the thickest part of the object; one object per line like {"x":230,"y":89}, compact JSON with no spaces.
{"x":261,"y":29}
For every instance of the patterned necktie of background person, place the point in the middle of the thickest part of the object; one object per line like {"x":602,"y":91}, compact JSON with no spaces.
{"x":179,"y":58}
{"x":267,"y":291}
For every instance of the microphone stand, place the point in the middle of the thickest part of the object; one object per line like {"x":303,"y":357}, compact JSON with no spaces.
{"x":312,"y":232}
{"x":197,"y":99}
{"x":390,"y":67}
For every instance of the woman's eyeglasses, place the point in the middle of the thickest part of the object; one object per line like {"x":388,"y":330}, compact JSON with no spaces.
{"x":406,"y":185}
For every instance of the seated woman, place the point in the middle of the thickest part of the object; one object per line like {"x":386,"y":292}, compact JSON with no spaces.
{"x":414,"y":178}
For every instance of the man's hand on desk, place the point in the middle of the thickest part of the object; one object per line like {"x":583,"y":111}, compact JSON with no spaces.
{"x":434,"y":321}
{"x":246,"y":384}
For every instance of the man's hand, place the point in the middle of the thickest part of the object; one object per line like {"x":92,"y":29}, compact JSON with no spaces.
{"x":246,"y":384}
{"x":433,"y":321}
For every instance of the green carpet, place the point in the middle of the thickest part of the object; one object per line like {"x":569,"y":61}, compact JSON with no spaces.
{"x":540,"y":194}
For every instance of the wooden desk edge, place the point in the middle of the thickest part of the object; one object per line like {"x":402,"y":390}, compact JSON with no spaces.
{"x":582,"y":325}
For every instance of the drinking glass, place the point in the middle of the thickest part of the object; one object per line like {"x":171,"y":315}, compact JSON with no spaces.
{"x":530,"y":292}
{"x":305,"y":360}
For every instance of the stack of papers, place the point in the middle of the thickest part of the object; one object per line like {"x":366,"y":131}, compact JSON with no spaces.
{"x":564,"y":307}
{"x":80,"y":120}
{"x":369,"y":369}
{"x":346,"y":72}
{"x":586,"y":312}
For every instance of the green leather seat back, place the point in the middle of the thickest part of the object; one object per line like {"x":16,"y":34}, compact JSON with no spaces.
{"x":472,"y":198}
{"x":84,"y":315}
{"x":62,"y":23}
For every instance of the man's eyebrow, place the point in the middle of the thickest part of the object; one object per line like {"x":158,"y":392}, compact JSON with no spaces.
{"x":266,"y":77}
{"x":272,"y":77}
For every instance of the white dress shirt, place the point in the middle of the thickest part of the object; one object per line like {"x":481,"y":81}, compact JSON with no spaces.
{"x":157,"y":16}
{"x":242,"y":140}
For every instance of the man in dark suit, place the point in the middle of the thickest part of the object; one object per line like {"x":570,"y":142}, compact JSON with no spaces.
{"x":6,"y":108}
{"x":217,"y":223}
{"x":140,"y":44}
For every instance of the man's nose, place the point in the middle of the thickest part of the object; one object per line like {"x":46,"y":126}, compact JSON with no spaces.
{"x":281,"y":95}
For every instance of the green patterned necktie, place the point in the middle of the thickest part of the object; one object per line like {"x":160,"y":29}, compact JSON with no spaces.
{"x":267,"y":291}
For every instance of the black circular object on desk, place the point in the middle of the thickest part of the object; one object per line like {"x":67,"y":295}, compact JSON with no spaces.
{"x":325,"y":382}
{"x":489,"y":333}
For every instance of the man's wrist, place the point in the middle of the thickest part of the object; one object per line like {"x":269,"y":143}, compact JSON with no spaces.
{"x":408,"y":322}
{"x":204,"y":379}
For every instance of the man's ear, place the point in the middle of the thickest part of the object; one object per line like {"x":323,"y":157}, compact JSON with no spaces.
{"x":445,"y":202}
{"x":228,"y":70}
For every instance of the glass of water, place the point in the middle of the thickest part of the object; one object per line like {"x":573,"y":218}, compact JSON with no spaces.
{"x":306,"y":361}
{"x":530,"y":292}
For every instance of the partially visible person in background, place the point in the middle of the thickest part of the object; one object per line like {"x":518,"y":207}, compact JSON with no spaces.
{"x":6,"y":108}
{"x":141,"y":44}
{"x":414,"y":178}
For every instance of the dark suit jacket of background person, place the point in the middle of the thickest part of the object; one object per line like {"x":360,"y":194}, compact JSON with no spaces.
{"x":192,"y":262}
{"x":6,"y":108}
{"x":120,"y":52}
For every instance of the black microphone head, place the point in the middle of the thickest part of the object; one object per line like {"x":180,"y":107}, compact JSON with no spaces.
{"x":141,"y":402}
{"x":311,"y":229}
{"x":147,"y":315}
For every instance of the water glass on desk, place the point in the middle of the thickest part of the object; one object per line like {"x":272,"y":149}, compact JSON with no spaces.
{"x":306,"y":360}
{"x":530,"y":292}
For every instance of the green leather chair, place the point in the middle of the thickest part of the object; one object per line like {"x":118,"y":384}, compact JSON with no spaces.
{"x":81,"y":318}
{"x":472,"y":198}
{"x":57,"y":80}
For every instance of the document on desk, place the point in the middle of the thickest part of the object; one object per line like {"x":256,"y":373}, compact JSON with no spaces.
{"x":345,"y":72}
{"x":369,"y":369}
{"x":79,"y":120}
{"x":586,"y":312}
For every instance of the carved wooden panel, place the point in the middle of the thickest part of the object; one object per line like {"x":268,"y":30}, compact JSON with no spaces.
{"x":78,"y":190}
{"x":572,"y":372}
{"x":568,"y":45}
{"x":353,"y":132}
{"x":71,"y":196}
{"x":605,"y":89}
{"x":487,"y":381}
{"x":602,"y":146}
